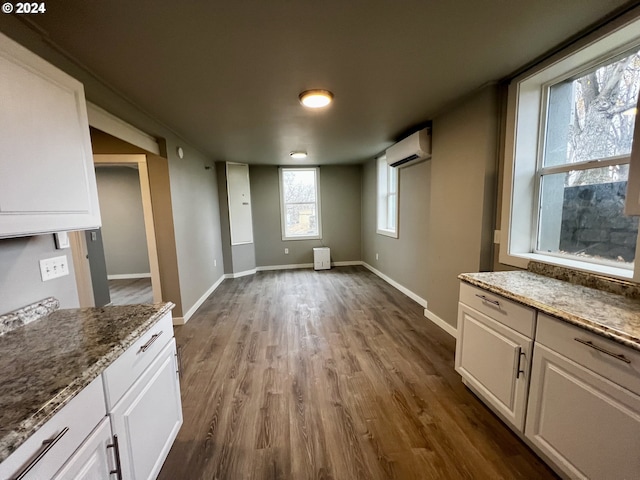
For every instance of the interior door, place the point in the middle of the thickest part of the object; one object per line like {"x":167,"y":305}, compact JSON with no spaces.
{"x":239,"y":203}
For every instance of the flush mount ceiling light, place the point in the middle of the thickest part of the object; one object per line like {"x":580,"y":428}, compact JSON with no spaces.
{"x":298,"y":155}
{"x":315,"y":98}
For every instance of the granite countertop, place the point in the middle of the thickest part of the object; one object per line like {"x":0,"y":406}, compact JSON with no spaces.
{"x":46,"y":362}
{"x":608,"y":314}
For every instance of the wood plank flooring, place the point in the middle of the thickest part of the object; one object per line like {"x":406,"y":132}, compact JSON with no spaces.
{"x":296,"y":374}
{"x":130,"y":291}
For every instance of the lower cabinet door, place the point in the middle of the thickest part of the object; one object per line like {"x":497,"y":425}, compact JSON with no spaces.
{"x":147,"y":418}
{"x":95,"y":458}
{"x":494,"y":360}
{"x":587,"y":425}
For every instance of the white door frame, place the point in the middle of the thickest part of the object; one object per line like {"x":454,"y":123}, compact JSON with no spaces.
{"x":84,"y":281}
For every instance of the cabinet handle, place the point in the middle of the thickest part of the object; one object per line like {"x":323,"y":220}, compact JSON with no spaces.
{"x":146,"y":346}
{"x":617,"y":356}
{"x":179,"y":361}
{"x":486,"y":299}
{"x":518,"y":370}
{"x":116,"y":453}
{"x":48,"y":445}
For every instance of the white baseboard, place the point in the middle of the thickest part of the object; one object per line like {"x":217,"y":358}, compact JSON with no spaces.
{"x":347,"y":264}
{"x":292,"y":266}
{"x":447,"y":327}
{"x":307,"y":265}
{"x":126,"y":276}
{"x":185,"y":318}
{"x":416,"y":298}
{"x":240,"y":274}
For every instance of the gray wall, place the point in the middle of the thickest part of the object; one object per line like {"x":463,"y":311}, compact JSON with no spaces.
{"x":194,"y":193}
{"x":447,"y":207}
{"x":196,"y":216}
{"x":463,"y":189}
{"x":340,"y":188}
{"x":225,"y":226}
{"x":123,"y":232}
{"x":404,"y":259}
{"x":20,"y":282}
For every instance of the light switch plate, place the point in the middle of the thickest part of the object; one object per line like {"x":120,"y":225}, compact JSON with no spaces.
{"x":54,"y":267}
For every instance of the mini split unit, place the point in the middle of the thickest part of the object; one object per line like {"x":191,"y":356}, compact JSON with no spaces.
{"x":411,"y":150}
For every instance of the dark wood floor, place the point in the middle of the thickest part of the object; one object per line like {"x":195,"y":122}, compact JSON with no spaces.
{"x":297,"y":374}
{"x":131,"y":290}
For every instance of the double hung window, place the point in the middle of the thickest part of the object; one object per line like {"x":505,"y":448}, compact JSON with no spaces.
{"x":300,"y":203}
{"x":387,"y":206}
{"x":571,"y":129}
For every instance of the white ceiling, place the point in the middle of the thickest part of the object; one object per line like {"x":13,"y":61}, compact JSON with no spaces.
{"x":225,"y":75}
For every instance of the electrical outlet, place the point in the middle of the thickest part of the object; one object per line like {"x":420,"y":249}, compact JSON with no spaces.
{"x":54,"y":267}
{"x":286,"y":251}
{"x":376,"y":256}
{"x":215,"y":262}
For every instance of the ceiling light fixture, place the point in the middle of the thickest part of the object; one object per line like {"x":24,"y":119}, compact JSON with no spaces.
{"x":315,"y":98}
{"x":298,"y":155}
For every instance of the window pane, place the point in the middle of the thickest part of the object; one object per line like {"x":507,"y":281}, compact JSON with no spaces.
{"x":581,"y":214}
{"x":393,"y":179}
{"x":301,"y":220}
{"x":391,"y":212}
{"x":592,"y":116}
{"x":299,"y":186}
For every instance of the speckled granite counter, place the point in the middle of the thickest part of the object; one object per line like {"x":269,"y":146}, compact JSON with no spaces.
{"x":613,"y":316}
{"x":45,"y":363}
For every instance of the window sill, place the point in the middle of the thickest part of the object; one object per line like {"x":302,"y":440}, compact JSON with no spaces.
{"x":387,"y":233}
{"x":313,"y":237}
{"x":521,"y":260}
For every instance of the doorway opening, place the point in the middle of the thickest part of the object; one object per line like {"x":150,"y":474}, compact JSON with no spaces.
{"x":124,"y":237}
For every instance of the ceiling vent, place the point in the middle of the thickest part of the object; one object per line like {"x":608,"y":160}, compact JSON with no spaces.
{"x":411,"y":150}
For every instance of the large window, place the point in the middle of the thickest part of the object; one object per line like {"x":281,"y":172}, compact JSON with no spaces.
{"x":572,"y":133}
{"x":300,"y":203}
{"x":387,"y":199}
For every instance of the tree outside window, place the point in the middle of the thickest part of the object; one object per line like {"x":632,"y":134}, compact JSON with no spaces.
{"x":583,"y":176}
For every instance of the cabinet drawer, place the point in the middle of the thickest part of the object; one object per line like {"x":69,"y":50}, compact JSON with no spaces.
{"x":70,"y":426}
{"x":569,"y":340}
{"x":507,"y":312}
{"x":122,"y":373}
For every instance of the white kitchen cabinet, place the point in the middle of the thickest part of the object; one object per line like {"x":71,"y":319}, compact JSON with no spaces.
{"x":148,"y":417}
{"x":584,"y":406}
{"x":47,"y":178}
{"x":95,"y":459}
{"x":42,"y":454}
{"x":493,"y":351}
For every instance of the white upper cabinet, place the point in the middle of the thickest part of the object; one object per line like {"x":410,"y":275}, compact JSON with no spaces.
{"x":47,"y":178}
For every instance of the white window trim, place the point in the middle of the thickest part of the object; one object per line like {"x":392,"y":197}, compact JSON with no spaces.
{"x":285,"y":238}
{"x":523,"y":139}
{"x":382,"y":199}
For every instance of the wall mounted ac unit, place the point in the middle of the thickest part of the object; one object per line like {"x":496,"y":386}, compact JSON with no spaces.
{"x":413,"y":149}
